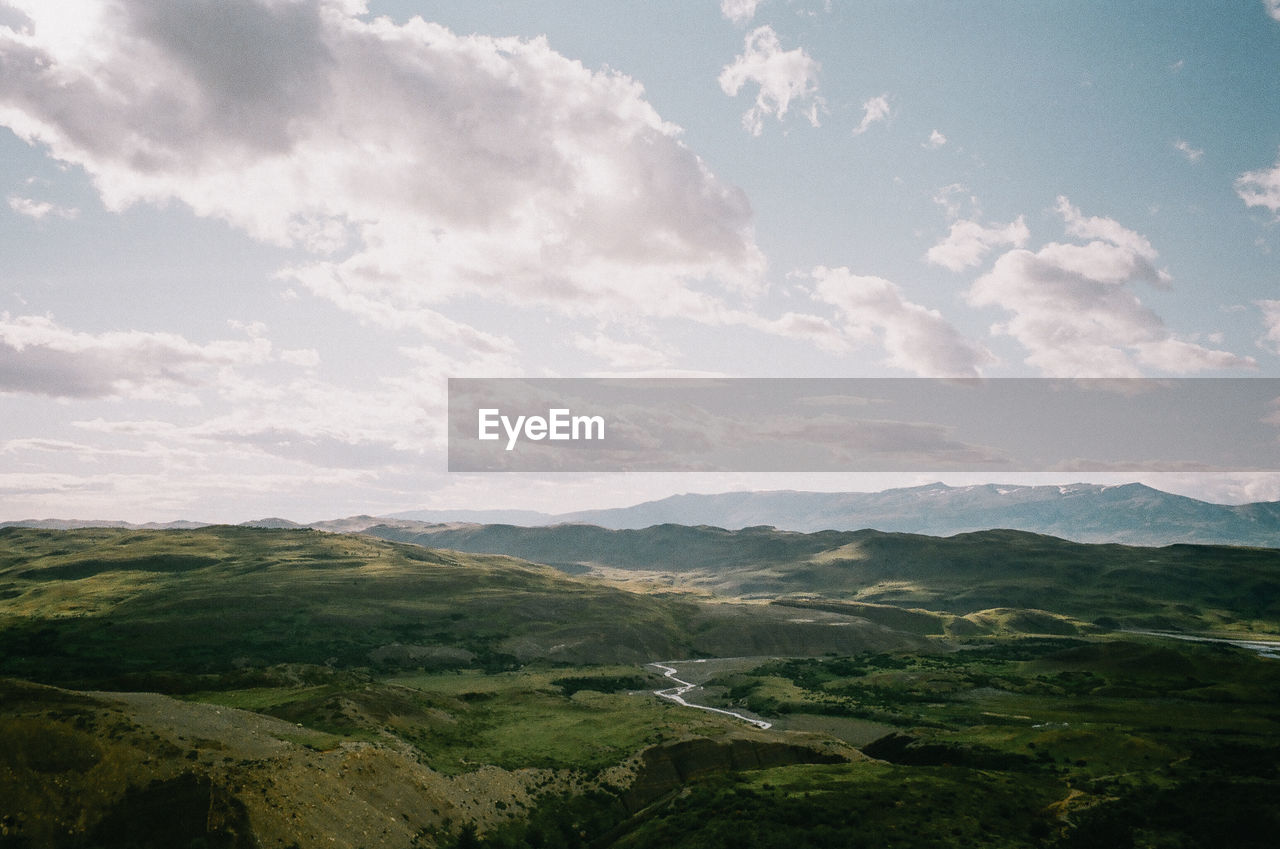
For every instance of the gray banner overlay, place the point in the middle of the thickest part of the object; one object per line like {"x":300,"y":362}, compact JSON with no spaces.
{"x":863,"y":425}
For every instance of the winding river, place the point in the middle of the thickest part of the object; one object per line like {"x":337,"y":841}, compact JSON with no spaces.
{"x":1265,"y":648}
{"x":676,"y":694}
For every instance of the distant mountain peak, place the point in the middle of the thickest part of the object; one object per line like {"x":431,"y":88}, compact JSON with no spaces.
{"x":1132,"y":513}
{"x":271,"y":522}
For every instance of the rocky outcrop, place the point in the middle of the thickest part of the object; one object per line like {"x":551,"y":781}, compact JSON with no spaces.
{"x":664,"y":768}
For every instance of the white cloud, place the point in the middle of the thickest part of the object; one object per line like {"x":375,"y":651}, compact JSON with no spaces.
{"x":783,"y":76}
{"x":39,"y":209}
{"x":1271,"y":322}
{"x":1074,"y":310}
{"x":358,"y":290}
{"x":968,"y":242}
{"x":40,"y":357}
{"x":956,"y":197}
{"x":188,"y":491}
{"x":1111,"y":231}
{"x":415,"y":165}
{"x":1193,"y":154}
{"x":874,"y":111}
{"x":628,"y":356}
{"x":811,"y":328}
{"x":383,"y":423}
{"x":936,"y":140}
{"x":1261,"y":187}
{"x":917,"y":339}
{"x":304,"y":357}
{"x":1273,"y":8}
{"x":739,"y":11}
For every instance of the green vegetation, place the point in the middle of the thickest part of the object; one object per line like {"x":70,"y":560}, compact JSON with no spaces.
{"x":95,"y":608}
{"x":858,"y":805}
{"x":460,"y":720}
{"x":108,"y":608}
{"x":1012,"y":742}
{"x":561,"y":821}
{"x":438,"y":698}
{"x":1192,"y":587}
{"x":1005,"y":743}
{"x":604,"y":683}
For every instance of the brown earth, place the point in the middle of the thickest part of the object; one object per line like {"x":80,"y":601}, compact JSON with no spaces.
{"x":146,"y":770}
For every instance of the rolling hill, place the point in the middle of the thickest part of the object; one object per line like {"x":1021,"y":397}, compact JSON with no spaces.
{"x":127,"y":609}
{"x":1188,"y":586}
{"x":249,"y":687}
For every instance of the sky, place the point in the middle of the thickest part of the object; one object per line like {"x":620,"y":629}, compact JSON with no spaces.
{"x":244,"y":243}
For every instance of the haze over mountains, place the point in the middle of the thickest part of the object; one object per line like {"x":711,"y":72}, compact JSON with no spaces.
{"x":1133,"y":513}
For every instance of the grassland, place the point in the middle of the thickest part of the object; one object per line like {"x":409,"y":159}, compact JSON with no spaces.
{"x":120,"y":609}
{"x":123,"y":610}
{"x":1008,"y":742}
{"x":382,"y":694}
{"x":1192,"y":587}
{"x":585,"y":719}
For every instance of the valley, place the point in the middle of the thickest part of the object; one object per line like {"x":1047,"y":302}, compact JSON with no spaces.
{"x":250,"y":687}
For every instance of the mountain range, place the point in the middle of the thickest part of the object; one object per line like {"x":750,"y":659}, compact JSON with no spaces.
{"x":1133,"y":514}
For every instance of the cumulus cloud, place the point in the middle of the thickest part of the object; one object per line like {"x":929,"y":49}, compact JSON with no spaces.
{"x":39,"y":209}
{"x":936,"y":140}
{"x":874,"y":111}
{"x":414,"y":164}
{"x":782,"y":76}
{"x":1193,"y":154}
{"x":739,"y":11}
{"x":968,"y":243}
{"x":1273,"y":8}
{"x":1074,"y":309}
{"x":916,"y":338}
{"x":1133,"y":254}
{"x":41,"y":357}
{"x":1261,"y":187}
{"x":1271,"y":322}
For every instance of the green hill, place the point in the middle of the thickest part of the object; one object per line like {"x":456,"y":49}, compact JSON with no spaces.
{"x":120,"y":608}
{"x":124,"y":609}
{"x":1177,"y":586}
{"x":338,"y":690}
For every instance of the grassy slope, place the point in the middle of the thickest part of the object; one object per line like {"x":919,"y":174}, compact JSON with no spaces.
{"x":83,"y":605}
{"x":333,"y":759}
{"x":122,"y":609}
{"x":1017,"y":742}
{"x":462,"y":719}
{"x":128,"y":771}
